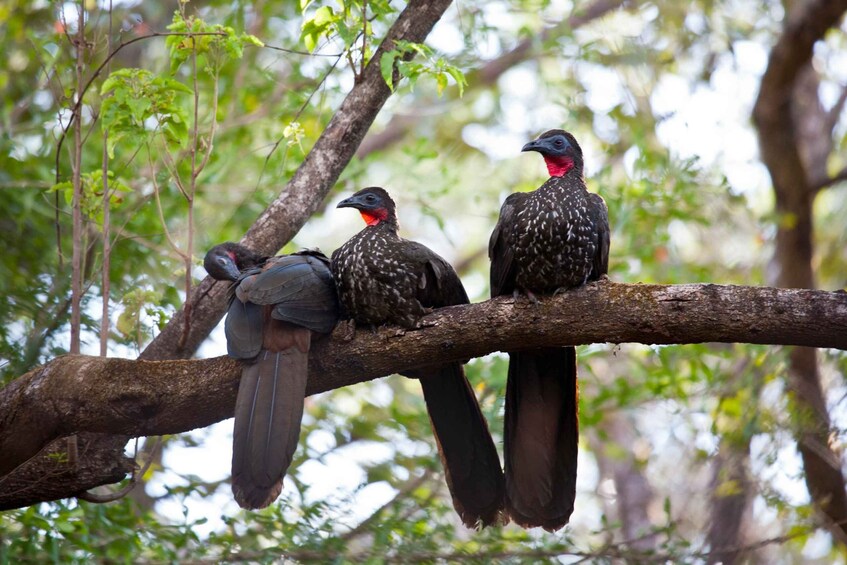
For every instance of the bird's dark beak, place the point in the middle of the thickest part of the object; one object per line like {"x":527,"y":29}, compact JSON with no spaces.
{"x":232,"y":271}
{"x":352,"y":202}
{"x":534,"y":145}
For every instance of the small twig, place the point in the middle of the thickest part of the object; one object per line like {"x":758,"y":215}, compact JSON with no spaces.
{"x":107,"y":209}
{"x":192,"y":188}
{"x":364,"y":37}
{"x":76,"y":203}
{"x":165,"y":229}
{"x":300,"y":111}
{"x":89,"y":496}
{"x":171,"y":166}
{"x":827,"y":182}
{"x":305,"y":53}
{"x":401,"y":493}
{"x":212,"y":129}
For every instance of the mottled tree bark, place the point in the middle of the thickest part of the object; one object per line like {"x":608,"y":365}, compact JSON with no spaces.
{"x":776,"y":114}
{"x":76,"y":394}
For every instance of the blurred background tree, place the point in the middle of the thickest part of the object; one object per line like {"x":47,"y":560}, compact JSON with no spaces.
{"x":696,"y":452}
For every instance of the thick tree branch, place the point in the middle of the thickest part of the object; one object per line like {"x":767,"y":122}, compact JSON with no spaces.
{"x":75,"y":394}
{"x":311,"y":183}
{"x":100,"y":461}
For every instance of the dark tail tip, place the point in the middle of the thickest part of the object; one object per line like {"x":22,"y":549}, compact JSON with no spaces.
{"x":254,"y":497}
{"x":549,"y":523}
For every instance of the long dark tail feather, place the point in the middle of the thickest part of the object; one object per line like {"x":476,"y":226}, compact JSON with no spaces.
{"x":468,"y":454}
{"x":243,"y":328}
{"x":268,"y":412}
{"x":541,"y":437}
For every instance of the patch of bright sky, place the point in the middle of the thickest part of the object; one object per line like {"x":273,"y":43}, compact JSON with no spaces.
{"x":711,"y":121}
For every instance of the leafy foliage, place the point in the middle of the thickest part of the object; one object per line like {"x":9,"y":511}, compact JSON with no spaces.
{"x":426,"y":64}
{"x":141,"y":105}
{"x":216,"y":45}
{"x":92,"y":193}
{"x":633,"y":86}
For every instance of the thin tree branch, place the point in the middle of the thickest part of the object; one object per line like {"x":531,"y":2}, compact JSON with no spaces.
{"x":106,"y":280}
{"x":76,"y":204}
{"x":821,"y":184}
{"x":162,"y":220}
{"x":75,"y":394}
{"x":304,"y":53}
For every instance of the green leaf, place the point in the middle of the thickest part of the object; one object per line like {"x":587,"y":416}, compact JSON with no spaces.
{"x":441,"y":82}
{"x":386,"y":67}
{"x":323,"y":16}
{"x":176,"y":85}
{"x":248,"y":39}
{"x":109,"y":84}
{"x":459,"y":77}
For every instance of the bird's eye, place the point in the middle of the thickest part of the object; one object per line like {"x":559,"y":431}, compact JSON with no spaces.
{"x":559,"y":143}
{"x":370,"y":198}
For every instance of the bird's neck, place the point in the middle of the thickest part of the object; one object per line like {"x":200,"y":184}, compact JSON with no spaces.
{"x":373,"y":217}
{"x":559,"y":166}
{"x":555,"y":186}
{"x":381,"y":225}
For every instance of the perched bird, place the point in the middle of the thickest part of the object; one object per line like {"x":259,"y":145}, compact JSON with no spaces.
{"x":551,"y":239}
{"x":277,"y":306}
{"x":385,"y":279}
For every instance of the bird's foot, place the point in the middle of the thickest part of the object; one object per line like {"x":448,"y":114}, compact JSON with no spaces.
{"x":602,"y":279}
{"x":348,"y":330}
{"x":529,"y":296}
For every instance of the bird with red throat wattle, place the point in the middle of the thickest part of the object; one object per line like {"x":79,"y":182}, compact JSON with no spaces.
{"x":385,"y":279}
{"x":549,"y":240}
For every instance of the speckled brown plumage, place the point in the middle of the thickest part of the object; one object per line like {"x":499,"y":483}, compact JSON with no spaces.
{"x":383,"y":278}
{"x":548,"y":240}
